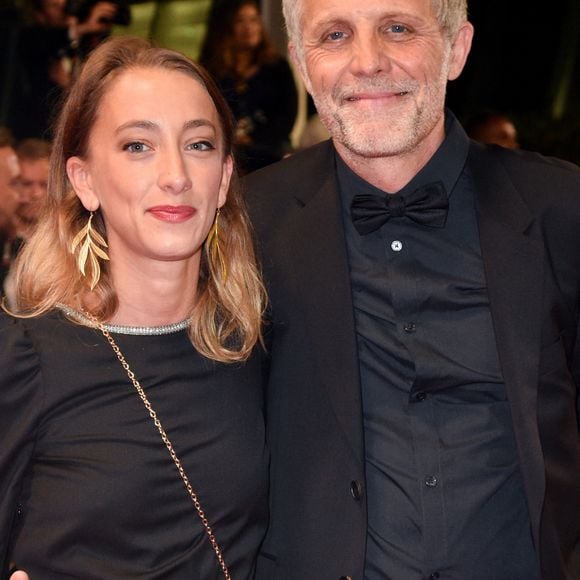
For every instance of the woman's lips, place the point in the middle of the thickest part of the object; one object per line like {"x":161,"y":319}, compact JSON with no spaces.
{"x":172,"y":213}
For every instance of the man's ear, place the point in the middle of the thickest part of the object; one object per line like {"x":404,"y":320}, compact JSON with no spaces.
{"x":460,"y":50}
{"x":81,"y":180}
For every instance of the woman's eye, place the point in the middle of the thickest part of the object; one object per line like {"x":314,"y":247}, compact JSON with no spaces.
{"x":201,"y":146}
{"x":135,"y":147}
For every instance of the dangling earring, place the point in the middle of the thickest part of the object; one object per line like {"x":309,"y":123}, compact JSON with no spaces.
{"x":213,"y":247}
{"x":89,"y":240}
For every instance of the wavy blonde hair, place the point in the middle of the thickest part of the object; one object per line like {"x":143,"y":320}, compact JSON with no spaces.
{"x":227,"y":316}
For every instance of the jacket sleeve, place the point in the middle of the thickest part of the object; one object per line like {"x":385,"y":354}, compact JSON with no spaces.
{"x":21,"y":402}
{"x":576,"y":373}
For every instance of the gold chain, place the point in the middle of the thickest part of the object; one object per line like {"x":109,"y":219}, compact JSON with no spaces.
{"x":168,"y":444}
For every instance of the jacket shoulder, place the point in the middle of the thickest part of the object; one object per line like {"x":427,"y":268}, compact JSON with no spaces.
{"x":542,"y":181}
{"x":288,"y":178}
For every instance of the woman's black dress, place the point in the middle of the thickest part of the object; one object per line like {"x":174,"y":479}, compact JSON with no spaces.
{"x":87,"y":487}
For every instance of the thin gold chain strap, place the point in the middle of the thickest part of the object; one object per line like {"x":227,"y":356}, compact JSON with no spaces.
{"x":169,"y":445}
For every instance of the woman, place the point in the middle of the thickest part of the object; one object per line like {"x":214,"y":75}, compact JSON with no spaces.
{"x":257,"y":82}
{"x":135,"y":445}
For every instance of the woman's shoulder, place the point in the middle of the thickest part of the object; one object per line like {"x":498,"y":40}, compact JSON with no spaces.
{"x":13,"y":331}
{"x":21,"y":375}
{"x":33,"y":352}
{"x":28,"y":334}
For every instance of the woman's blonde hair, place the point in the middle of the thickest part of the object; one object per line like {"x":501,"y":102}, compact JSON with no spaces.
{"x":230,"y":300}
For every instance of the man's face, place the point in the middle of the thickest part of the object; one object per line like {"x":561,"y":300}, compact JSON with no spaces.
{"x":54,"y":13}
{"x":9,"y":174}
{"x":378,"y":70}
{"x":32,"y":187}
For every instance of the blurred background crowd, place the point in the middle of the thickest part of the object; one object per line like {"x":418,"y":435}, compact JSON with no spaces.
{"x":521,"y":86}
{"x":525,"y":65}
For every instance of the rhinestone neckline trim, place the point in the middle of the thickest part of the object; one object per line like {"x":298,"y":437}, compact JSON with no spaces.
{"x":119,"y":329}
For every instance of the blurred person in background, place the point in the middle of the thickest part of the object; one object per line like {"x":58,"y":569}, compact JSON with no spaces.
{"x":33,"y":160}
{"x":9,"y":174}
{"x":54,"y":40}
{"x":493,"y":128}
{"x":257,"y":82}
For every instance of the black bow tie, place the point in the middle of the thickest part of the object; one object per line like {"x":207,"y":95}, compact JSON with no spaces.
{"x":426,"y":205}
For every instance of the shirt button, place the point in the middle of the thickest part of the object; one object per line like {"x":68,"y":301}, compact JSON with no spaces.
{"x":431,"y":481}
{"x":419,"y":396}
{"x":409,"y":327}
{"x":396,"y":246}
{"x":356,"y":490}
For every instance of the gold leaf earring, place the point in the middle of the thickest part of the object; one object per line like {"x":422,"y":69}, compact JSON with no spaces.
{"x":89,"y":241}
{"x":214,"y":248}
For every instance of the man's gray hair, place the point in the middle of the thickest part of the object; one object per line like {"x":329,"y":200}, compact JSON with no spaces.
{"x":450,"y":13}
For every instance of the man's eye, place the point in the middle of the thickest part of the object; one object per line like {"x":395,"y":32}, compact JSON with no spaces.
{"x":336,"y":35}
{"x":398,"y":28}
{"x":135,"y":147}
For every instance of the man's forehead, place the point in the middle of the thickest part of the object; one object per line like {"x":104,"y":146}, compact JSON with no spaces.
{"x":40,"y":165}
{"x":9,"y":161}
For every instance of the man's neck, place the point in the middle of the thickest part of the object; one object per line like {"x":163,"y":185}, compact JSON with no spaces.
{"x":391,"y":173}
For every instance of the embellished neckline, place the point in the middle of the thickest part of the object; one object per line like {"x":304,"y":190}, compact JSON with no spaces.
{"x":120,"y":329}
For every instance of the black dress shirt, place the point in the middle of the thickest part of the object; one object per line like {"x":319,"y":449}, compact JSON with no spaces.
{"x":444,"y":491}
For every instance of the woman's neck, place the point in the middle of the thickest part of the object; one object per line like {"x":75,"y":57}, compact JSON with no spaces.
{"x":163,"y":293}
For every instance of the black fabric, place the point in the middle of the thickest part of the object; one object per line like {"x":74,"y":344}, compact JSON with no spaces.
{"x":435,"y":409}
{"x":426,"y":205}
{"x":528,"y":218}
{"x":266,"y":106}
{"x":37,"y":96}
{"x":87,"y":487}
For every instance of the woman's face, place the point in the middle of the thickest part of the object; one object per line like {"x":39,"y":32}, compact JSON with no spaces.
{"x":247,"y":27}
{"x":155,"y":167}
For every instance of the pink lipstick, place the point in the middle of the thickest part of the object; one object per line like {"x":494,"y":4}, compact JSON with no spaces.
{"x":172,"y":213}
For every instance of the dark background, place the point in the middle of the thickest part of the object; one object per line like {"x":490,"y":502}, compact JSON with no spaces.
{"x":525,"y":61}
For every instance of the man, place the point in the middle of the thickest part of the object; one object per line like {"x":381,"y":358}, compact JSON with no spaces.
{"x":33,"y":158}
{"x":422,"y":396}
{"x":9,"y":173}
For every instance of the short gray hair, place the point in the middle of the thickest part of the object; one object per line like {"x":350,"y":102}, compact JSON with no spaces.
{"x":450,"y":13}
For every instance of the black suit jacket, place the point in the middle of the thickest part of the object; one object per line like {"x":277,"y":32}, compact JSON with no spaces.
{"x":528,"y":211}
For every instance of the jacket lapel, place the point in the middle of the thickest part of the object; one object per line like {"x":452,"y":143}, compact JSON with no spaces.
{"x":513,"y":263}
{"x":329,"y":315}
